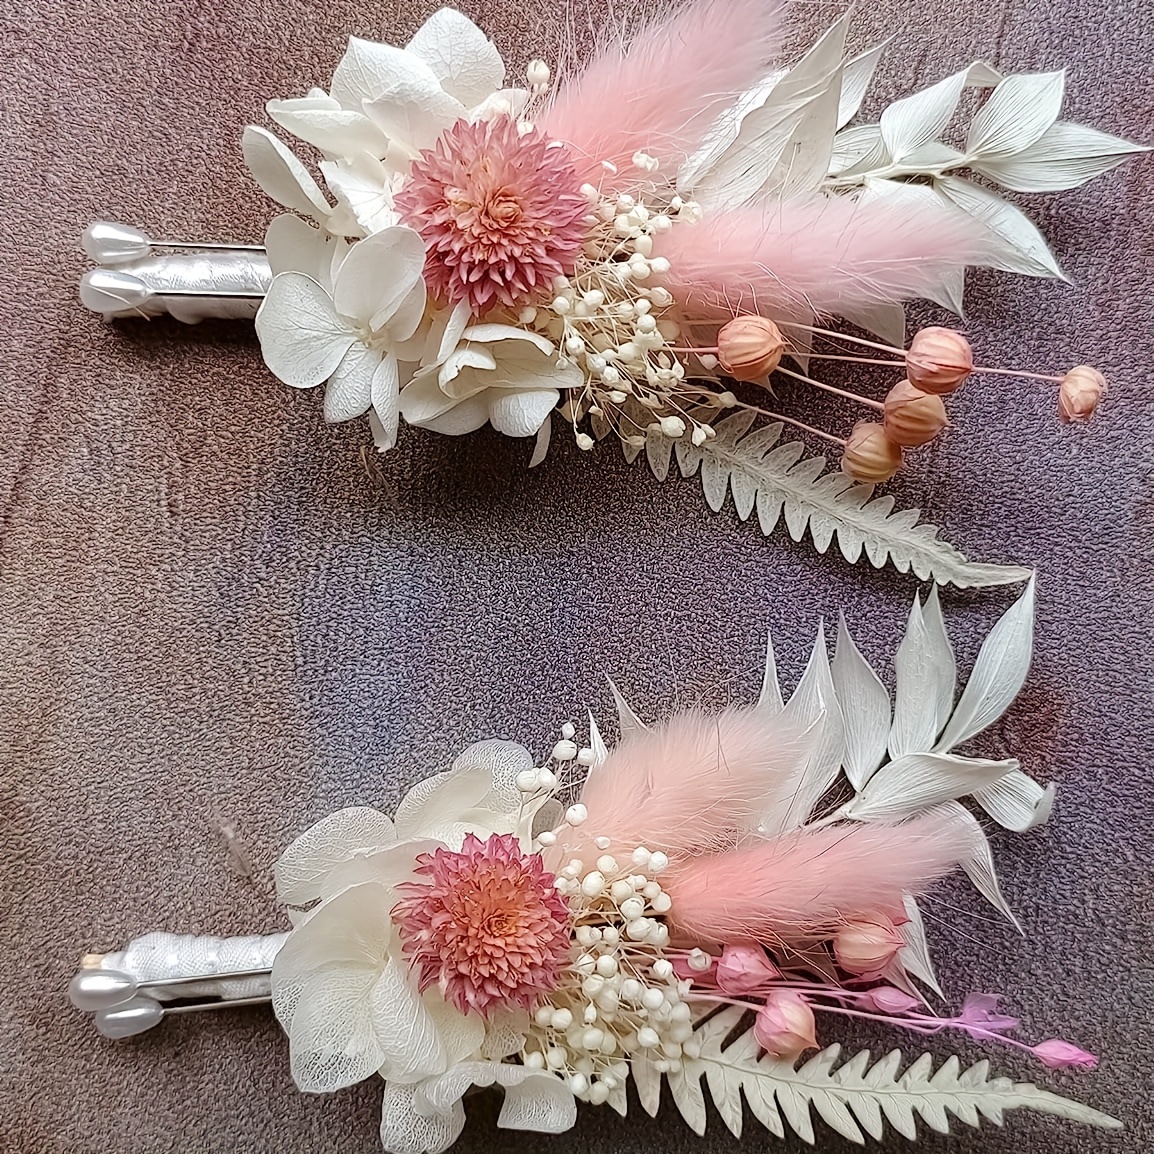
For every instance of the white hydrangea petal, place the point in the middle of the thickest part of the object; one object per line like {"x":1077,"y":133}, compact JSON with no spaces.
{"x":300,"y":871}
{"x":460,"y":55}
{"x":461,"y":417}
{"x":405,"y":1030}
{"x":461,"y":1035}
{"x":386,"y":402}
{"x":504,"y":760}
{"x":302,"y":338}
{"x":277,"y":170}
{"x":349,"y":392}
{"x":369,"y":70}
{"x":327,"y":126}
{"x":407,"y":317}
{"x":292,"y":245}
{"x":520,"y":413}
{"x":506,"y":102}
{"x":414,"y":117}
{"x":386,"y":867}
{"x":323,"y":980}
{"x":465,"y":372}
{"x":491,"y":333}
{"x":445,"y":332}
{"x":423,"y":401}
{"x":505,"y":1034}
{"x":379,"y":274}
{"x":540,"y":1102}
{"x":365,"y":189}
{"x":405,"y":1131}
{"x":440,"y":800}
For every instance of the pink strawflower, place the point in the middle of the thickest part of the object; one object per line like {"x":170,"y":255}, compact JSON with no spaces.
{"x":488,"y":927}
{"x":501,"y":213}
{"x":1058,"y":1055}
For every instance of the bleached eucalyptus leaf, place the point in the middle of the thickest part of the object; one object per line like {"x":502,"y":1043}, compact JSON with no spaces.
{"x":1017,"y":802}
{"x":1066,"y":156}
{"x":918,"y":781}
{"x":914,"y":956}
{"x":828,"y":507}
{"x":979,"y":863}
{"x":851,"y":1097}
{"x":998,"y":673}
{"x":1016,"y":114}
{"x":1021,"y":247}
{"x":855,"y":80}
{"x":865,"y":708}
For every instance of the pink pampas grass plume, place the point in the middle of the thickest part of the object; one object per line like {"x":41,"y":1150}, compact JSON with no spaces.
{"x":806,"y":884}
{"x":660,"y":92}
{"x":698,"y":783}
{"x":825,"y":255}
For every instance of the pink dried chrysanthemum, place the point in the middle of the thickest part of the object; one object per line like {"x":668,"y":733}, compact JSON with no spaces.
{"x":500,"y":212}
{"x":488,"y":927}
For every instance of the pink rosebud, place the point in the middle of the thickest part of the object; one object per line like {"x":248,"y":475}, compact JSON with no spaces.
{"x":939,"y":360}
{"x":866,"y":948}
{"x":1081,"y":390}
{"x":784,"y":1026}
{"x":890,"y":1000}
{"x":1059,"y":1055}
{"x":743,"y":969}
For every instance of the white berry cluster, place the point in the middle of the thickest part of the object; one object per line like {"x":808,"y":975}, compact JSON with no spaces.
{"x":615,"y":323}
{"x":621,"y":998}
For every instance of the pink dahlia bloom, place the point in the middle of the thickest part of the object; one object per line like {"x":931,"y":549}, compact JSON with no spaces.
{"x":488,"y":927}
{"x":500,"y":213}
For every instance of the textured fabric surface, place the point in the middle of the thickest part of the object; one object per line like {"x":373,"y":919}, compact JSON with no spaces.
{"x":209,"y":614}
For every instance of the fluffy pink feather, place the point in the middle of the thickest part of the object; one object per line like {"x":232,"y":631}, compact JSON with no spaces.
{"x":802,"y":886}
{"x":698,"y":783}
{"x":662,"y":90}
{"x":826,"y":255}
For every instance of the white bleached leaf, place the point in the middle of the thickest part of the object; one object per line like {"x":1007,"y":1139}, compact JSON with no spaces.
{"x":979,"y":863}
{"x":658,"y":452}
{"x":327,"y":126}
{"x":855,"y":79}
{"x":925,"y":682}
{"x":627,"y":721}
{"x":1017,"y":802}
{"x":460,"y":55}
{"x":860,"y":144}
{"x":647,"y":1081}
{"x":541,"y":445}
{"x":998,"y":673}
{"x":828,"y":506}
{"x":885,"y":319}
{"x":919,"y":781}
{"x":1016,"y":114}
{"x":922,"y":117}
{"x":865,"y":708}
{"x":1066,"y":156}
{"x":770,"y":701}
{"x":1021,"y":247}
{"x":597,"y":743}
{"x":282,"y":176}
{"x":914,"y":956}
{"x":302,"y":338}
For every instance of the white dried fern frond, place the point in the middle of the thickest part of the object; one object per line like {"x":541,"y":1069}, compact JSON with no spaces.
{"x":774,"y":479}
{"x":854,"y":1098}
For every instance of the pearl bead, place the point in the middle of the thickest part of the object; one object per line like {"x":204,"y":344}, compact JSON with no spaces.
{"x":132,"y":1017}
{"x":100,"y":989}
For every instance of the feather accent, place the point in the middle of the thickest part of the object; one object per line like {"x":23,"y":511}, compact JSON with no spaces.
{"x":826,"y":255}
{"x":662,"y":91}
{"x":696,"y":784}
{"x":807,"y":883}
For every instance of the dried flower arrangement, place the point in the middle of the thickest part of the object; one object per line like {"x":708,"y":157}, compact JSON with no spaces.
{"x":603,"y":253}
{"x":683,"y":907}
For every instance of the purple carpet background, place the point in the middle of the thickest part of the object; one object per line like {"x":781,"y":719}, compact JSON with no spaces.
{"x":208,"y":612}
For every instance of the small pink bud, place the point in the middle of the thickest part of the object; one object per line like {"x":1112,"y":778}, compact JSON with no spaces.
{"x":870,"y":455}
{"x":913,"y":418}
{"x":939,"y":360}
{"x":749,"y":347}
{"x":866,"y":948}
{"x":685,"y":972}
{"x":743,"y":969}
{"x":890,"y":1000}
{"x":1059,"y":1055}
{"x":784,"y":1026}
{"x":1081,"y":391}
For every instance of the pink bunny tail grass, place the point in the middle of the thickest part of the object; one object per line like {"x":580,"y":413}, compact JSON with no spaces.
{"x":697,"y":783}
{"x":660,"y":92}
{"x":803,"y":886}
{"x":827,"y":255}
